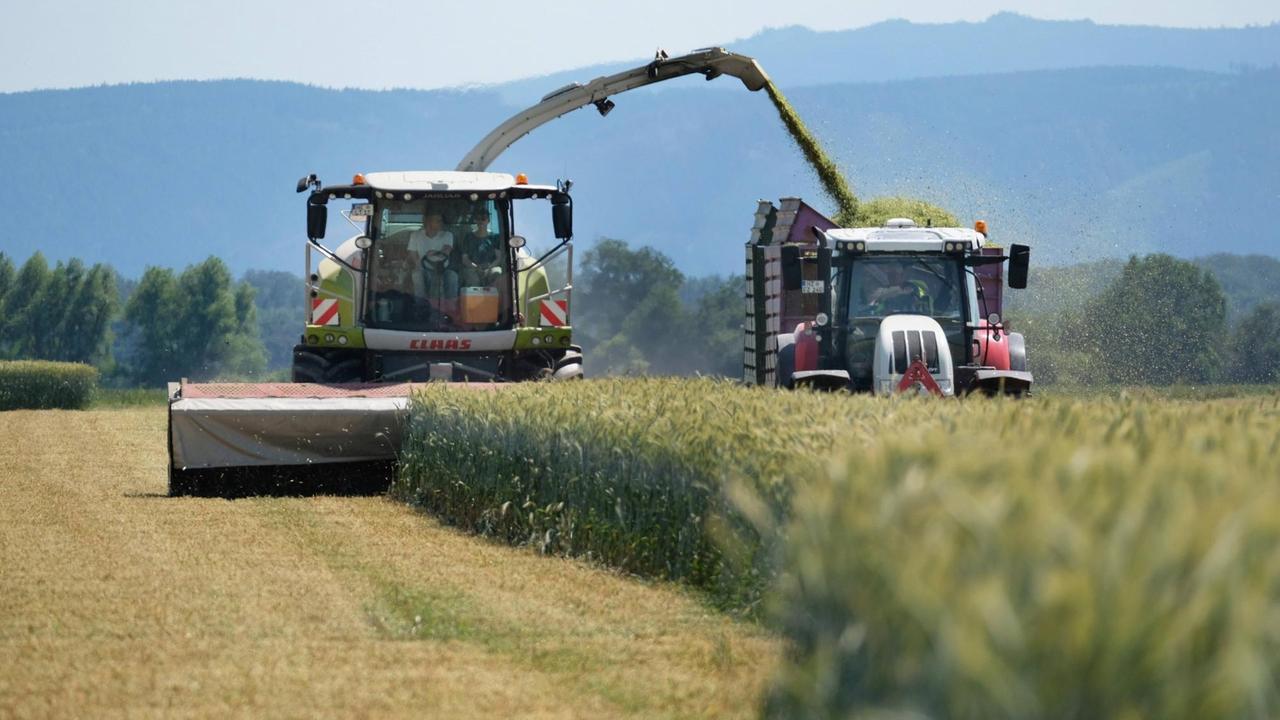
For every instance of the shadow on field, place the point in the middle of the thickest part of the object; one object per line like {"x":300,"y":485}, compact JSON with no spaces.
{"x":350,"y":479}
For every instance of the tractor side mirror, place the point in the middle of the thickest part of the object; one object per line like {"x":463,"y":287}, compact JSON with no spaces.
{"x":1019,"y":263}
{"x":792,"y":277}
{"x":317,"y":219}
{"x":562,"y":217}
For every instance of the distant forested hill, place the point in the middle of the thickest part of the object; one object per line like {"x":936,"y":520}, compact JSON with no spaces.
{"x":1006,"y":42}
{"x":1083,"y":163}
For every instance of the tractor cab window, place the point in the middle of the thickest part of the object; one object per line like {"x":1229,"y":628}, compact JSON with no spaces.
{"x":884,"y":285}
{"x":895,"y":284}
{"x":439,"y":264}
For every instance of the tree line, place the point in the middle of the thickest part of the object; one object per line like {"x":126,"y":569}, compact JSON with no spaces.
{"x":197,"y":323}
{"x":1161,"y":321}
{"x":1154,"y":320}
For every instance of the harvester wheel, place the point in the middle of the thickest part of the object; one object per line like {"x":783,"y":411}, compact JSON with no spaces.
{"x":317,"y":367}
{"x":346,"y":371}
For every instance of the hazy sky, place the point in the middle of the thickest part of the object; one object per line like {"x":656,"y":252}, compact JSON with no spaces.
{"x":386,"y":43}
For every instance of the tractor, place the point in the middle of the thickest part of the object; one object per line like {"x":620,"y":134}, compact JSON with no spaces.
{"x":885,"y":310}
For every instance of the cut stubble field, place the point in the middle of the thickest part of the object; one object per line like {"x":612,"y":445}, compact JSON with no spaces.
{"x":116,"y":600}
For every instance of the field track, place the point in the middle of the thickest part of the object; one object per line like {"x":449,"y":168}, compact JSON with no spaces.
{"x":117,"y":600}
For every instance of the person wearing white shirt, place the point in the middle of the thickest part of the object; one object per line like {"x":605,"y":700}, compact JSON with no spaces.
{"x":433,"y":246}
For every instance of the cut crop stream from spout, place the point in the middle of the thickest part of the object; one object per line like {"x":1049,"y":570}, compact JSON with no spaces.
{"x":833,"y":183}
{"x":849,"y":211}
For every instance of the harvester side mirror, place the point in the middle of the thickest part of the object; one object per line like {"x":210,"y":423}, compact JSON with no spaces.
{"x":317,"y":219}
{"x":1019,"y":263}
{"x":792,"y":277}
{"x":562,"y":217}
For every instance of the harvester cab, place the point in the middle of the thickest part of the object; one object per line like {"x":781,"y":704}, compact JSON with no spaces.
{"x":437,"y":283}
{"x":881,"y":309}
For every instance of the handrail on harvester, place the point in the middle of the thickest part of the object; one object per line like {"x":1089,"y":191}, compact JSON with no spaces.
{"x":710,"y":62}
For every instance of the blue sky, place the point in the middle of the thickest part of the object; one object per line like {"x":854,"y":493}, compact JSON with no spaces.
{"x":392,"y":43}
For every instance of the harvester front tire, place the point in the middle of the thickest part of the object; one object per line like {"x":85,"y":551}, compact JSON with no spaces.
{"x":311,"y":366}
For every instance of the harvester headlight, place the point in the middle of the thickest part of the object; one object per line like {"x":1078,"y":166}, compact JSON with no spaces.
{"x":860,"y":246}
{"x":342,"y":339}
{"x":548,"y":339}
{"x":821,"y":319}
{"x":328,"y":337}
{"x":475,"y":197}
{"x":536,"y":340}
{"x":313,"y":339}
{"x":564,"y":339}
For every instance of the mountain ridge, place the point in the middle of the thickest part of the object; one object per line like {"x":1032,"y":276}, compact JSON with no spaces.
{"x":1084,"y":162}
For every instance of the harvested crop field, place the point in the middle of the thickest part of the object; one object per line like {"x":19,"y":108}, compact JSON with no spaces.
{"x":118,"y":601}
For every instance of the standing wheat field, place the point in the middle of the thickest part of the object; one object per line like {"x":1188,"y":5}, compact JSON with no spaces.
{"x":1109,"y":556}
{"x":118,"y":601}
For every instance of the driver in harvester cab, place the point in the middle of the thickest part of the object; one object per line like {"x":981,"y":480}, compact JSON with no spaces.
{"x":433,"y":245}
{"x":480,"y":253}
{"x":901,"y":294}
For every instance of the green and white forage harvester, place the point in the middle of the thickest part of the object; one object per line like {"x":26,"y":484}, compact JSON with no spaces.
{"x":435,"y":283}
{"x":886,"y":310}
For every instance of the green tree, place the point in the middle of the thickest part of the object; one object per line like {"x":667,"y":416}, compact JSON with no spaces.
{"x":50,"y":335}
{"x":7,"y":272}
{"x":22,"y":315}
{"x":631,"y":318}
{"x":278,"y":299}
{"x":86,"y":330}
{"x":246,"y":355}
{"x":1255,"y":346}
{"x":196,"y":325}
{"x":1161,"y":322}
{"x":152,"y":316}
{"x":717,"y":320}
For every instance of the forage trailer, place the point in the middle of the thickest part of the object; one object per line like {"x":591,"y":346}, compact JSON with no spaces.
{"x":879,"y":309}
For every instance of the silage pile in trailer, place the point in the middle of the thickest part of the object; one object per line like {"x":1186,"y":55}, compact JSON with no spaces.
{"x":42,"y":385}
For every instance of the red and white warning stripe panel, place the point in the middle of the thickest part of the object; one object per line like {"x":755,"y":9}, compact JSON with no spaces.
{"x":554,"y":313}
{"x":324,"y":311}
